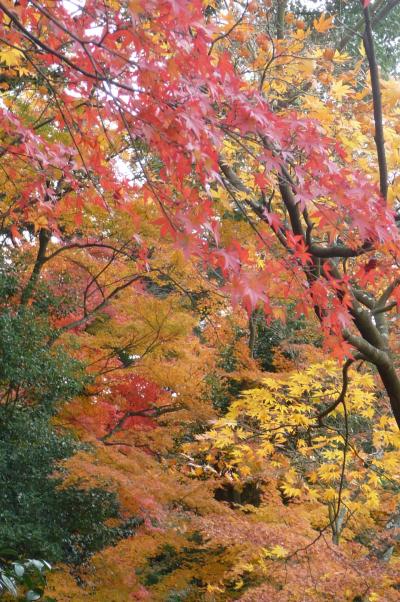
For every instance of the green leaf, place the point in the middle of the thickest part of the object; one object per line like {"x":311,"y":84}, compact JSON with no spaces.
{"x":38,"y":564}
{"x":6,"y":552}
{"x":32,"y":595}
{"x":19,"y":569}
{"x":9,"y":584}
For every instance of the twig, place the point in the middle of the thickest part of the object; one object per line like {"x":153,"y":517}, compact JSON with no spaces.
{"x":227,"y":33}
{"x":342,"y":394}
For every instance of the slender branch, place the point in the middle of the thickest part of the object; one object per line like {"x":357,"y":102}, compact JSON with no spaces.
{"x":336,"y":251}
{"x":385,"y":308}
{"x":381,"y":10}
{"x":341,"y":511}
{"x":97,"y":77}
{"x":227,"y":33}
{"x":232,"y":178}
{"x":383,"y":299}
{"x":154,"y":412}
{"x":99,"y":307}
{"x":377,"y":104}
{"x":342,"y":394}
{"x":89,"y":246}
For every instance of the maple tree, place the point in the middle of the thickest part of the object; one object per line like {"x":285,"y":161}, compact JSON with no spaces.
{"x":187,"y":189}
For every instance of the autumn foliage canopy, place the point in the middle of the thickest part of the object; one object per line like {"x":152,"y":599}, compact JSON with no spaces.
{"x":199,"y":301}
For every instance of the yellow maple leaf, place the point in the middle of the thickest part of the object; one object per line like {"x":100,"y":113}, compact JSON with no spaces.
{"x":290,"y":491}
{"x":23,"y":71}
{"x":339,"y":90}
{"x":239,"y":584}
{"x":214,"y":588}
{"x":329,"y":494}
{"x":323,"y":23}
{"x":300,"y":34}
{"x":390,"y":92}
{"x":245,"y":471}
{"x":11,"y":57}
{"x":328,"y":472}
{"x":275,"y":552}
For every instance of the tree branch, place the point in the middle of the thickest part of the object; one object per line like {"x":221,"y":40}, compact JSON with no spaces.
{"x":227,"y":33}
{"x":381,"y":10}
{"x":148,"y":412}
{"x":371,"y":353}
{"x":342,"y":394}
{"x":377,"y":104}
{"x":44,"y":239}
{"x":99,"y":307}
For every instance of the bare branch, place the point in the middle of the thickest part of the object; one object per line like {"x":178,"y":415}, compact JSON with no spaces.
{"x":227,"y":33}
{"x":377,"y":103}
{"x":99,"y":307}
{"x":342,"y":394}
{"x":380,"y":12}
{"x":383,"y":299}
{"x":153,"y":412}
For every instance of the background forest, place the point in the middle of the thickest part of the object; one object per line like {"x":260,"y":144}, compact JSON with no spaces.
{"x":199,"y":300}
